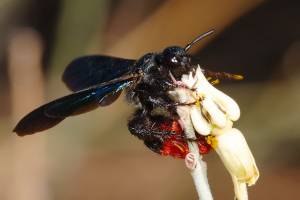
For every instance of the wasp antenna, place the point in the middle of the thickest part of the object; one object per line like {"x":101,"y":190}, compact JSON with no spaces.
{"x":198,"y":38}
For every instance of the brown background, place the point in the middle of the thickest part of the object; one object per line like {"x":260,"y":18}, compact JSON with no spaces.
{"x":93,"y":156}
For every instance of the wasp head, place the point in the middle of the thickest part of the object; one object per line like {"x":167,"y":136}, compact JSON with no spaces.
{"x":175,"y":59}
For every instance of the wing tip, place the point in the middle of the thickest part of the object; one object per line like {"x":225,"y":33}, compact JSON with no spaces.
{"x":21,"y":131}
{"x":30,"y":126}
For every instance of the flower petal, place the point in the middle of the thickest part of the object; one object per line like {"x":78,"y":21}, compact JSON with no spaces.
{"x":217,"y":117}
{"x":189,"y":80}
{"x":182,"y":95}
{"x":226,"y":103}
{"x":236,"y":156}
{"x":200,"y":124}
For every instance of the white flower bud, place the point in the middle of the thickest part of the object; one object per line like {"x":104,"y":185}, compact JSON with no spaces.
{"x":227,"y":104}
{"x":218,"y":131}
{"x":200,"y":124}
{"x":217,"y":117}
{"x":182,"y":95}
{"x":189,"y":80}
{"x":236,"y":156}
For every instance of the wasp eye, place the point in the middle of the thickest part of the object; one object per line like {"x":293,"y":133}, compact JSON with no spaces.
{"x":174,"y":60}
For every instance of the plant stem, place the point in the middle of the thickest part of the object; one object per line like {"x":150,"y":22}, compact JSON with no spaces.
{"x":199,"y":172}
{"x":240,"y":189}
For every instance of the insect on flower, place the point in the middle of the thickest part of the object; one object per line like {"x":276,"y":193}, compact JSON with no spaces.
{"x":98,"y":80}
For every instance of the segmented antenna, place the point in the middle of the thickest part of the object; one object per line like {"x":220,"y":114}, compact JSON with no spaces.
{"x":198,"y":38}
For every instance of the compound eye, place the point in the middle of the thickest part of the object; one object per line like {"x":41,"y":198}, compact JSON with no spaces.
{"x":174,"y":60}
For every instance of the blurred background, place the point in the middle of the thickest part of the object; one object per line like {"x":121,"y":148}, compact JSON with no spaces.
{"x":93,"y":156}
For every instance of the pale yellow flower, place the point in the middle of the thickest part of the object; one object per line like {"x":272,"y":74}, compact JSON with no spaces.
{"x":236,"y":156}
{"x":213,"y":117}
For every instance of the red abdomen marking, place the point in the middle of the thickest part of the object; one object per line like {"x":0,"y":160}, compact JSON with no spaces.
{"x":176,"y":145}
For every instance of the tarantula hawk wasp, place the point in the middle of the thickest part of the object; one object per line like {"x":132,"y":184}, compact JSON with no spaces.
{"x":98,"y":80}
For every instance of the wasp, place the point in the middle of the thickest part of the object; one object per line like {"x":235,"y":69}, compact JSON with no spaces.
{"x":98,"y":80}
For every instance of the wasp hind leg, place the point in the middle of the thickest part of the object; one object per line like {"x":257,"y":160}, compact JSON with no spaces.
{"x":160,"y":134}
{"x":143,"y":126}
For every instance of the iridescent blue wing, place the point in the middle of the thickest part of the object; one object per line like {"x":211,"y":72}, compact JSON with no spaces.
{"x":79,"y":102}
{"x":88,"y":71}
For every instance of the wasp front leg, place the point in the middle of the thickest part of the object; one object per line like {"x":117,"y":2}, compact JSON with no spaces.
{"x":175,"y":83}
{"x":154,"y":101}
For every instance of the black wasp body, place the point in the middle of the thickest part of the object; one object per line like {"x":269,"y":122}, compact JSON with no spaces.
{"x":99,"y":80}
{"x":150,"y":91}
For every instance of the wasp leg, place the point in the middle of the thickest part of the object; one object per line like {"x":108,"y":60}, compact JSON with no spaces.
{"x":156,"y":103}
{"x":215,"y":82}
{"x":160,"y":134}
{"x":143,"y":126}
{"x":222,"y":75}
{"x":176,"y":83}
{"x":180,"y":104}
